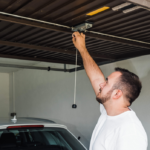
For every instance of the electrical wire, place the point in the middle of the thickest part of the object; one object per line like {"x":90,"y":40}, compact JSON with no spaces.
{"x":75,"y":81}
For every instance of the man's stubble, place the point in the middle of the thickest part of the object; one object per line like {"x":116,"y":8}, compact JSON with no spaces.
{"x":105,"y":98}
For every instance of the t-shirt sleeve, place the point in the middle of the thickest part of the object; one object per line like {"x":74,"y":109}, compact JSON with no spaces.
{"x":131,"y":142}
{"x":102,"y":109}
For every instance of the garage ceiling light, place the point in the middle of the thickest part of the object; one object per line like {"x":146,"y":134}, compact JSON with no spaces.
{"x":121,"y":6}
{"x":131,"y":9}
{"x":143,"y":3}
{"x":98,"y":11}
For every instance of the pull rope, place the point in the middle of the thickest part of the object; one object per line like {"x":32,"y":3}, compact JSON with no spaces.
{"x":75,"y":81}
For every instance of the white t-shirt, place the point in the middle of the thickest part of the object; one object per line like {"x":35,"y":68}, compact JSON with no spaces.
{"x":121,"y":132}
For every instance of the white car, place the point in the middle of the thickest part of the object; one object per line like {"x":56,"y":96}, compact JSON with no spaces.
{"x":36,"y":134}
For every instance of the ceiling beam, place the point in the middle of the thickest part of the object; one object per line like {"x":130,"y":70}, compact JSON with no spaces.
{"x":33,"y":67}
{"x":68,"y":31}
{"x":34,"y":24}
{"x":36,"y":59}
{"x":118,"y":40}
{"x":43,"y":48}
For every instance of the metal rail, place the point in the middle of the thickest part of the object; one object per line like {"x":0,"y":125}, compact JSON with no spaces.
{"x":33,"y":67}
{"x":27,"y":18}
{"x":59,"y":25}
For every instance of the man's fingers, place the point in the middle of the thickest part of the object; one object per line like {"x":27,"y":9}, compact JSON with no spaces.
{"x":73,"y":40}
{"x":83,"y":35}
{"x":73,"y":35}
{"x":76,"y":34}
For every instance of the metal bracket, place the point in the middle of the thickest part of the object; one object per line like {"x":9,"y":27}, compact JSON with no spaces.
{"x":74,"y":106}
{"x":65,"y":68}
{"x":49,"y":68}
{"x":13,"y":114}
{"x":82,"y":27}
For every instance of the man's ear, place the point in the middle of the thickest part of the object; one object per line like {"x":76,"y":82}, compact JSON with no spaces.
{"x":117,"y":94}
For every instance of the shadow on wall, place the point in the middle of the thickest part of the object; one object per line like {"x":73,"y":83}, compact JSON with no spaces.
{"x":144,"y":98}
{"x":142,"y":103}
{"x":127,"y":64}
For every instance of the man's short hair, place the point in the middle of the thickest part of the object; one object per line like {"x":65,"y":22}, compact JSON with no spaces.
{"x":130,"y":84}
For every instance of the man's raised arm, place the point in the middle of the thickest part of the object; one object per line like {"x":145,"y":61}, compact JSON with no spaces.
{"x":93,"y":71}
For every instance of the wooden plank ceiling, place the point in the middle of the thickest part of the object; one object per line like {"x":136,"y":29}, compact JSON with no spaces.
{"x":30,"y":40}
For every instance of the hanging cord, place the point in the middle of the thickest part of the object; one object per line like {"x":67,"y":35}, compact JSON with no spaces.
{"x":75,"y":82}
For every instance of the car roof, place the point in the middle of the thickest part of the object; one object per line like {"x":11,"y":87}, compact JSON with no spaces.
{"x":5,"y":122}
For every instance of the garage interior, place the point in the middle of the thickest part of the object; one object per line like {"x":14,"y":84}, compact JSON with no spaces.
{"x":37,"y":58}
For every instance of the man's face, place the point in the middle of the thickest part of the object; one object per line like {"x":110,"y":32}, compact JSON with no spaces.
{"x":106,"y":88}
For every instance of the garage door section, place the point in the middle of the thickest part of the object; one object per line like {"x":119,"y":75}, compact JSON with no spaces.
{"x":41,"y":30}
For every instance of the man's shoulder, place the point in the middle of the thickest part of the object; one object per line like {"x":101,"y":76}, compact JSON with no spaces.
{"x":132,"y":126}
{"x":131,"y":120}
{"x":128,"y":117}
{"x":128,"y":122}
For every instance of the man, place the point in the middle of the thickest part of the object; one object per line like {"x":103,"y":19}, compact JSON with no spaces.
{"x":118,"y":127}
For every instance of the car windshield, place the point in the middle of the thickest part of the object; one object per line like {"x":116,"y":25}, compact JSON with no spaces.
{"x":38,"y":139}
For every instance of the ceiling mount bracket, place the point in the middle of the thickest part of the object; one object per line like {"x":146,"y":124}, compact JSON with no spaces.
{"x":65,"y":68}
{"x":49,"y":68}
{"x":82,"y":27}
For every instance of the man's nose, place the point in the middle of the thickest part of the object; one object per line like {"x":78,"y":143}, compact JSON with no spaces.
{"x":102,"y":85}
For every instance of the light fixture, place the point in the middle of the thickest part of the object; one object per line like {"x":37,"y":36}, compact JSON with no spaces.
{"x":98,"y":11}
{"x":121,"y":6}
{"x":143,"y":3}
{"x":131,"y":9}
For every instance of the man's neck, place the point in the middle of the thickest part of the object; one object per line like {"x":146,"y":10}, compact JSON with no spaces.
{"x":114,"y":111}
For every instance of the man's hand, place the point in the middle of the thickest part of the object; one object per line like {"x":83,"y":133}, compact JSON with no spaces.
{"x":79,"y":41}
{"x":93,"y":71}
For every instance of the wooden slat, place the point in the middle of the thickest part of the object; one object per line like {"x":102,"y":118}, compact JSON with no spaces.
{"x":7,"y":43}
{"x":36,"y":59}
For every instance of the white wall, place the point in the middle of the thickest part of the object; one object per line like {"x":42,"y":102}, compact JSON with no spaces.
{"x":4,"y":95}
{"x":50,"y":95}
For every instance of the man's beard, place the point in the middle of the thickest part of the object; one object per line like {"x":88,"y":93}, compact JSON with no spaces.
{"x":105,"y":98}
